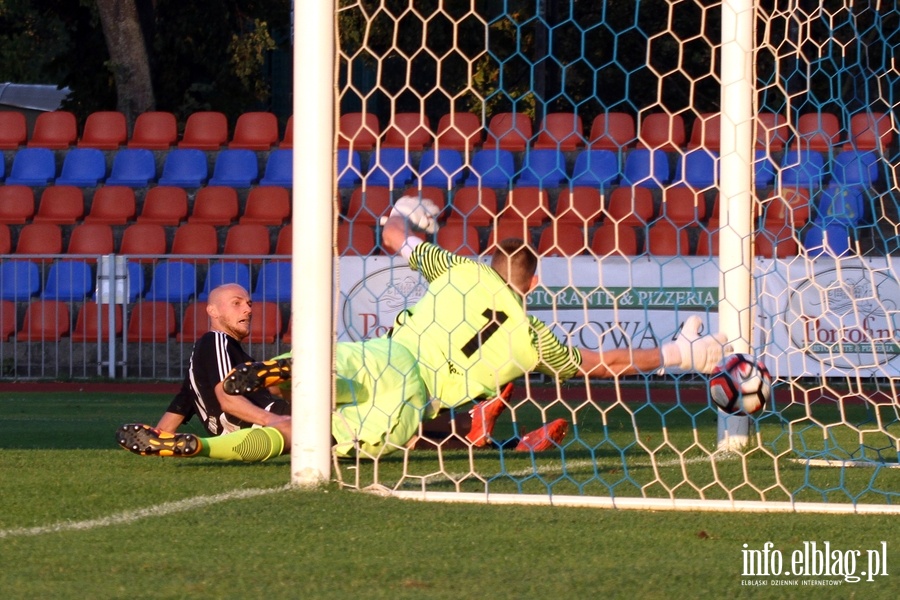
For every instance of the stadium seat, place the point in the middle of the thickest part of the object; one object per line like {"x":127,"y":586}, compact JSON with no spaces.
{"x":787,"y":206}
{"x":267,"y":206}
{"x":16,"y":204}
{"x":646,"y":167}
{"x":92,"y":322}
{"x":832,"y":239}
{"x":60,"y":204}
{"x":802,"y":168}
{"x":195,"y":239}
{"x":772,"y":131}
{"x":205,"y":130}
{"x":682,"y":206}
{"x":54,"y":130}
{"x":529,"y":203}
{"x":509,"y":131}
{"x":249,"y":239}
{"x":818,"y":132}
{"x":151,"y":321}
{"x":20,"y":280}
{"x":222,"y":272}
{"x":266,"y":325}
{"x":509,"y":228}
{"x":543,"y":168}
{"x":32,"y":166}
{"x":194,"y":323}
{"x":368,"y":204}
{"x":631,"y":206}
{"x":256,"y":131}
{"x":355,"y":239}
{"x":5,"y":239}
{"x":68,"y":280}
{"x":45,"y":321}
{"x":104,"y":130}
{"x":287,"y":140}
{"x":579,"y":205}
{"x":666,"y":239}
{"x":349,"y":167}
{"x":775,"y":243}
{"x":614,"y":131}
{"x":173,"y":281}
{"x":869,"y":131}
{"x":215,"y":205}
{"x":84,"y":167}
{"x":358,"y":131}
{"x":113,"y":205}
{"x":273,"y":282}
{"x":279,"y":169}
{"x":391,"y":167}
{"x":164,"y":205}
{"x":13,"y":130}
{"x":562,"y":131}
{"x":39,"y":239}
{"x":764,"y":168}
{"x":596,"y":168}
{"x":563,"y":239}
{"x":697,"y":168}
{"x":492,"y":168}
{"x":410,"y":130}
{"x":459,"y":237}
{"x":441,"y":168}
{"x":235,"y":168}
{"x":842,"y":204}
{"x":461,"y":131}
{"x":185,"y":167}
{"x":855,"y":167}
{"x":154,"y":130}
{"x":284,"y":242}
{"x":706,"y":132}
{"x":474,"y":206}
{"x":91,"y":238}
{"x":137,"y":283}
{"x":143,"y":239}
{"x":662,"y":131}
{"x":286,"y":336}
{"x":7,"y":319}
{"x":134,"y":167}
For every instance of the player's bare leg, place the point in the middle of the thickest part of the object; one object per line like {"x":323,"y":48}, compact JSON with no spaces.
{"x":253,"y":376}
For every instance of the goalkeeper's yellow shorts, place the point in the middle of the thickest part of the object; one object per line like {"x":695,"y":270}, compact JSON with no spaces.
{"x":380,"y":397}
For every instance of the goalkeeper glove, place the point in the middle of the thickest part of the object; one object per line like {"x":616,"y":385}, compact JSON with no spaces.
{"x":420,"y":213}
{"x":692,"y":352}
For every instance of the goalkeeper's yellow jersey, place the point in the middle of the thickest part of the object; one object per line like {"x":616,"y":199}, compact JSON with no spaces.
{"x":470,"y":332}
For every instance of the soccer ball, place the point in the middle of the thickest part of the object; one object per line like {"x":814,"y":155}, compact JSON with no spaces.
{"x":740,"y":384}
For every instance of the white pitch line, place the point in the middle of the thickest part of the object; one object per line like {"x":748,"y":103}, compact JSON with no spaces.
{"x":131,"y":516}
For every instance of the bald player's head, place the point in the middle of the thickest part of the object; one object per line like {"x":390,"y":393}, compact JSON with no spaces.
{"x":230,"y":310}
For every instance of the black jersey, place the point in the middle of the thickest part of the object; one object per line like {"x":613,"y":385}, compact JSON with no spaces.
{"x":213,"y":357}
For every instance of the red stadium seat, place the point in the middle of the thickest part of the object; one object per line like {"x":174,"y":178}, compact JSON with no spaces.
{"x":266,"y":325}
{"x":154,"y":130}
{"x":368,"y":204}
{"x":683,"y":206}
{"x":561,"y":131}
{"x":194,"y":322}
{"x":195,"y":238}
{"x":60,"y":204}
{"x":247,"y":239}
{"x":631,"y":205}
{"x":215,"y":205}
{"x":408,"y":130}
{"x":358,"y":131}
{"x":7,"y":319}
{"x":772,"y":131}
{"x":104,"y":130}
{"x":56,"y":130}
{"x":267,"y":205}
{"x":706,"y":132}
{"x":612,"y":131}
{"x":473,"y":205}
{"x":164,"y":205}
{"x":818,"y":131}
{"x":112,"y":204}
{"x":16,"y":204}
{"x":13,"y":130}
{"x":662,"y":131}
{"x":615,"y":239}
{"x":40,"y":238}
{"x":255,"y":131}
{"x":151,"y":321}
{"x":287,"y":140}
{"x":580,"y":205}
{"x":563,"y":239}
{"x":91,"y":238}
{"x":355,"y":239}
{"x":870,"y":131}
{"x":45,"y":321}
{"x":509,"y":131}
{"x":91,"y":322}
{"x":529,"y":203}
{"x":460,"y":238}
{"x":459,"y":131}
{"x":143,"y":239}
{"x":205,"y":130}
{"x":283,"y":244}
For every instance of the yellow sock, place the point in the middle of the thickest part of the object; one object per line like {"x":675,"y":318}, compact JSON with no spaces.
{"x":249,"y":445}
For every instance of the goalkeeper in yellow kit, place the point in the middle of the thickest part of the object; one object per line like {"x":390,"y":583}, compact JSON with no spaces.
{"x":466,"y":338}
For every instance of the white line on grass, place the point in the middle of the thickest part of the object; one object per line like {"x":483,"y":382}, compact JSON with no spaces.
{"x":131,"y":516}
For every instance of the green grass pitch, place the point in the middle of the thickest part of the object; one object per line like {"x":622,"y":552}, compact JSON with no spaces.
{"x":81,"y":518}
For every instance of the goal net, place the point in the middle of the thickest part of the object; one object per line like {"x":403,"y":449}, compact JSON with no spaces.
{"x":734,"y":161}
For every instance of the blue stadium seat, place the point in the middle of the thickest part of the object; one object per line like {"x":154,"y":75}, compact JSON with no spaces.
{"x":491,"y":168}
{"x":32,"y":166}
{"x":69,"y":280}
{"x":273,"y":283}
{"x":646,"y":167}
{"x":235,"y":168}
{"x":132,"y":167}
{"x":136,"y":281}
{"x":390,"y":167}
{"x":441,"y":168}
{"x":279,"y":168}
{"x":595,"y":168}
{"x":832,"y":239}
{"x":83,"y":167}
{"x":185,"y":167}
{"x":855,"y":167}
{"x":802,"y":168}
{"x":222,"y":272}
{"x":842,"y":204}
{"x":173,"y":281}
{"x":697,"y":168}
{"x":20,"y":280}
{"x":349,"y":167}
{"x":545,"y":168}
{"x":764,"y":168}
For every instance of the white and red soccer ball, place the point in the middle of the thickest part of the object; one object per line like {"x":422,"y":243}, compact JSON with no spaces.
{"x":740,"y":384}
